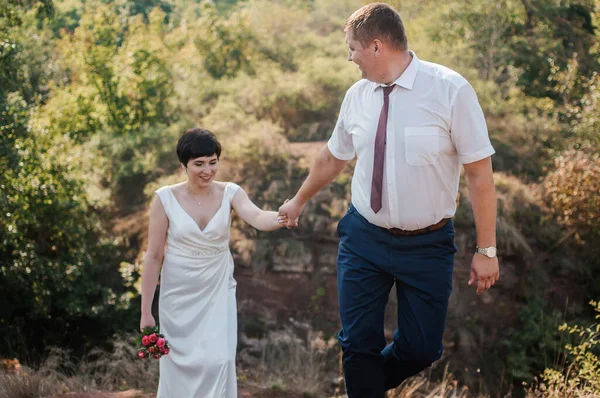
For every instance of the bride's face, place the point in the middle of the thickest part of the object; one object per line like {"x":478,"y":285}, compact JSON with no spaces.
{"x":201,"y":171}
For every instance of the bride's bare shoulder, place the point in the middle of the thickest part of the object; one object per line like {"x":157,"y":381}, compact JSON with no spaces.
{"x":221,"y":185}
{"x":177,"y":188}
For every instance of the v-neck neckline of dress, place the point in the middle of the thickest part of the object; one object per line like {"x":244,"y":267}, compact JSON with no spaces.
{"x":202,"y":230}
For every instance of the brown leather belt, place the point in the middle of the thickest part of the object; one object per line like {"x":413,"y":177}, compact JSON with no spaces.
{"x":431,"y":228}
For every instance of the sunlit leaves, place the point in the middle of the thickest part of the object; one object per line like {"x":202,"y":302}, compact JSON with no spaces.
{"x":226,"y":43}
{"x":572,"y":192}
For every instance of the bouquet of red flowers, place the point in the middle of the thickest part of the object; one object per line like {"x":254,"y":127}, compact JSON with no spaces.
{"x":153,"y":344}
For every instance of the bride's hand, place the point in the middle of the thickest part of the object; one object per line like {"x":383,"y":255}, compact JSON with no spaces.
{"x":282,"y":220}
{"x":147,"y":321}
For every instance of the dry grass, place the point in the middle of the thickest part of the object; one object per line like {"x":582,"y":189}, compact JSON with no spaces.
{"x":312,"y":367}
{"x":26,"y":384}
{"x":121,"y":368}
{"x":280,"y":364}
{"x":283,"y":361}
{"x":422,"y":387}
{"x":99,"y":371}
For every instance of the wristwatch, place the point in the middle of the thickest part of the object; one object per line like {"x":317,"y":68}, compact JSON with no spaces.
{"x":486,"y":251}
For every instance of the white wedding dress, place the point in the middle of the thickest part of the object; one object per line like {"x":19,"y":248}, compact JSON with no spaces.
{"x":197,"y":305}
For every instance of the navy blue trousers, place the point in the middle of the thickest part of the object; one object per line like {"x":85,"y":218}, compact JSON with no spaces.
{"x":370,"y":261}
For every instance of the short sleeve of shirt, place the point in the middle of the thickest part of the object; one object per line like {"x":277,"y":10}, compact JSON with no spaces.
{"x":340,"y":143}
{"x":468,"y":128}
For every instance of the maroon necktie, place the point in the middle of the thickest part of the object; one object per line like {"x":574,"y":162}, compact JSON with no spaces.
{"x":379,"y":155}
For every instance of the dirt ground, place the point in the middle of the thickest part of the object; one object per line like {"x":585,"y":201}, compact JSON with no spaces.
{"x":243,"y":392}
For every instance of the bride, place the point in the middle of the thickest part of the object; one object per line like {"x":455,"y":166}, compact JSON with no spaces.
{"x":188,"y":238}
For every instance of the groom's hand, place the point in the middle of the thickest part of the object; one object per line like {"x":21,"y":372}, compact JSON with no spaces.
{"x":291,"y":209}
{"x":484,"y":272}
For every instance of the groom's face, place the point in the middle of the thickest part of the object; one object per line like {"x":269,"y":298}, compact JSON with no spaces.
{"x":361,"y":55}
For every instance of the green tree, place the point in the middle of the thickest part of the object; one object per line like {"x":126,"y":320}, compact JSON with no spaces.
{"x":531,"y":35}
{"x":55,"y":263}
{"x":117,"y":99}
{"x":227,"y":44}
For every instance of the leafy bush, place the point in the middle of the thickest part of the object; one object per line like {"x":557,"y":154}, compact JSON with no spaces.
{"x":581,"y":376}
{"x":571,"y":193}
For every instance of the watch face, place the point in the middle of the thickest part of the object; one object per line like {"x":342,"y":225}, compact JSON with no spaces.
{"x":491,"y":252}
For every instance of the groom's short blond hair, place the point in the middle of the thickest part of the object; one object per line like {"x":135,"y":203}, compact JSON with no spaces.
{"x":377,"y":21}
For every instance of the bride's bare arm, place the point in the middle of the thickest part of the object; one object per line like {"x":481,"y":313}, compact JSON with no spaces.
{"x":260,"y":219}
{"x":157,"y":236}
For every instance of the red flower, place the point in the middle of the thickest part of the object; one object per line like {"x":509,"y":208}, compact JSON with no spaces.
{"x":153,"y":337}
{"x":160,"y":342}
{"x":141,"y":354}
{"x":157,"y":356}
{"x":145,"y":341}
{"x":167,"y":350}
{"x":152,"y":350}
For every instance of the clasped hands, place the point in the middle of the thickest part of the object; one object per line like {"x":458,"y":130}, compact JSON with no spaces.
{"x":289,"y":213}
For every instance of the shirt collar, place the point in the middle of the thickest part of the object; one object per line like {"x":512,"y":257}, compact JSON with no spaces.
{"x":407,"y":78}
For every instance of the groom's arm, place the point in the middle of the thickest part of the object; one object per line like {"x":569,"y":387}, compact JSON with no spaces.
{"x":484,"y":271}
{"x":323,"y":171}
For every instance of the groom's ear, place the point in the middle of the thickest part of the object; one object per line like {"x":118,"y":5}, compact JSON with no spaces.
{"x":377,"y":45}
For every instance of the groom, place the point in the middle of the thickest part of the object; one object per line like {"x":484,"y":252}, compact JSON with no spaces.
{"x":411,"y":124}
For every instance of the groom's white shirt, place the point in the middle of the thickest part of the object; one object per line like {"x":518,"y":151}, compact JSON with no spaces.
{"x":435,"y":124}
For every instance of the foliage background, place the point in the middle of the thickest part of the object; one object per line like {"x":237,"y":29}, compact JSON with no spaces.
{"x":94,"y":93}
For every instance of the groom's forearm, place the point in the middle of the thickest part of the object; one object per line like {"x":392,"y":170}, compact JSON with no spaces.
{"x":324,"y":170}
{"x":483,"y":201}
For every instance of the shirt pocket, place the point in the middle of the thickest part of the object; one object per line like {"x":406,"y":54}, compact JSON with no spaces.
{"x":422,"y":145}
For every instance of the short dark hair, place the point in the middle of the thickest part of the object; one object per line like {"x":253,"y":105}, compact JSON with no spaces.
{"x":197,"y":142}
{"x":377,"y":21}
